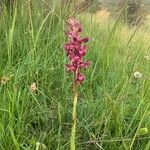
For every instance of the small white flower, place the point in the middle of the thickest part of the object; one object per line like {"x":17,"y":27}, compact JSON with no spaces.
{"x":137,"y":75}
{"x":33,"y":87}
{"x":146,"y":57}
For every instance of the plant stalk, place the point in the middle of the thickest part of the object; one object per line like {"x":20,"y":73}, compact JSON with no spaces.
{"x":74,"y":116}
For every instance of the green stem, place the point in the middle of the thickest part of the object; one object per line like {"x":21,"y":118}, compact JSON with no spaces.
{"x":74,"y":117}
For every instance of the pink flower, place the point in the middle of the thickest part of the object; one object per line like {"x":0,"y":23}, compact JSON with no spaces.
{"x":76,"y":50}
{"x":80,"y":78}
{"x":84,"y":65}
{"x":70,"y":68}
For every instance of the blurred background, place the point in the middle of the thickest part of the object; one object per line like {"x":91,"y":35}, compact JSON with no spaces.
{"x":133,"y":12}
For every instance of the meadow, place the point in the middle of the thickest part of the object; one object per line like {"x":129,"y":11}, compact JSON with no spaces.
{"x":36,"y":90}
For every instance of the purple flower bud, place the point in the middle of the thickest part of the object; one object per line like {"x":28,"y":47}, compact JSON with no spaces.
{"x":74,"y":25}
{"x":82,"y":51}
{"x":70,"y":68}
{"x":75,"y":59}
{"x":84,"y":65}
{"x":80,"y":77}
{"x":85,"y":39}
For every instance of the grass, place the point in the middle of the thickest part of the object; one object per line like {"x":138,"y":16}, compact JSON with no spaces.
{"x":113,"y":105}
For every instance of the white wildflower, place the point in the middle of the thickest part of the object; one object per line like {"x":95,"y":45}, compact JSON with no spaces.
{"x":146,"y":57}
{"x":137,"y":75}
{"x":33,"y":87}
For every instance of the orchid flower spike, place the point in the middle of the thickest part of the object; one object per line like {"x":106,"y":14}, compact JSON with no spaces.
{"x":76,"y":50}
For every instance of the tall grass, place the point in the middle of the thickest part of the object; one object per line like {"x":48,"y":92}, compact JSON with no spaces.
{"x":113,"y":105}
